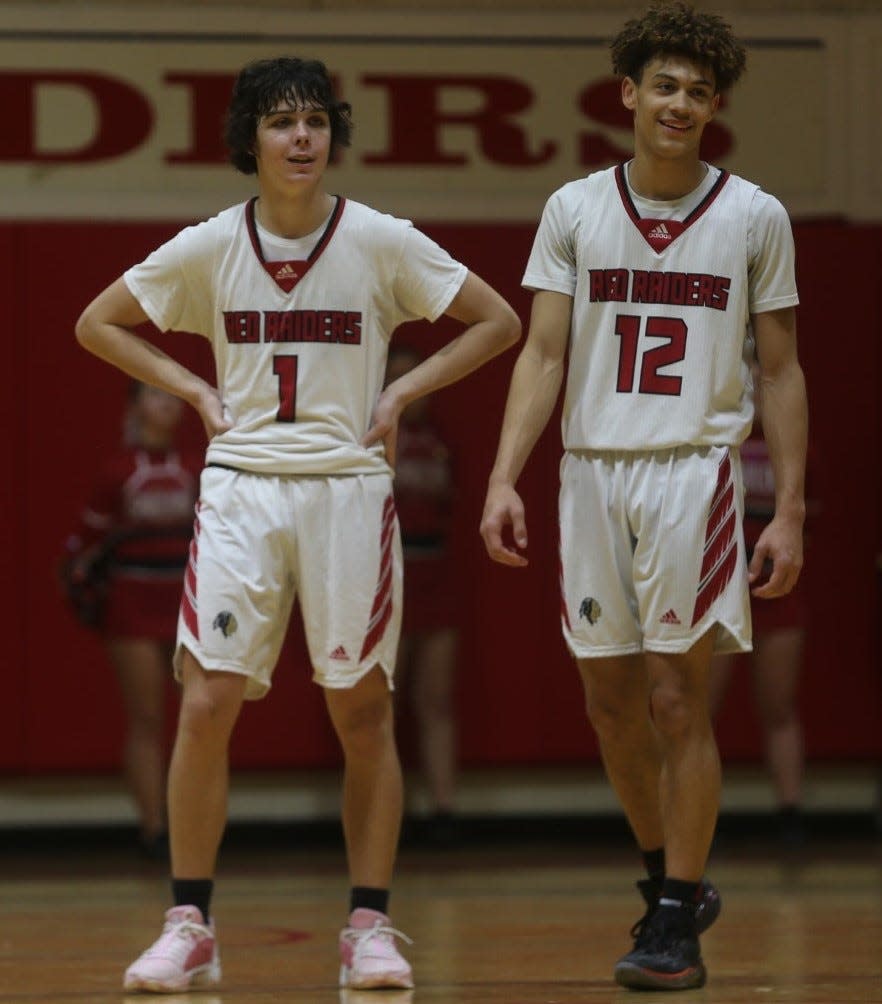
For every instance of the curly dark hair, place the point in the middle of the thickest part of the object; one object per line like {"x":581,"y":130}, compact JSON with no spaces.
{"x":259,"y":88}
{"x":676,"y":28}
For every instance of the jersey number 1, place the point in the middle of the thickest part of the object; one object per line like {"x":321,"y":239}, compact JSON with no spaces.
{"x":285,"y":368}
{"x":673,"y":331}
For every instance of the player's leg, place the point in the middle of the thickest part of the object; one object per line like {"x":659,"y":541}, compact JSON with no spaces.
{"x":185,"y":955}
{"x":690,"y":775}
{"x":143,"y":668}
{"x":690,"y":584}
{"x":198,"y":778}
{"x":229,"y":637}
{"x":617,"y":701}
{"x":598,"y":616}
{"x":666,"y":953}
{"x":691,"y":589}
{"x":601,"y":628}
{"x":373,"y":799}
{"x":350,"y":574}
{"x":363,"y":719}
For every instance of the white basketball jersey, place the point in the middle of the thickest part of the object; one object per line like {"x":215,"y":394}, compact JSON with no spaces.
{"x":299,"y":346}
{"x":662,"y":298}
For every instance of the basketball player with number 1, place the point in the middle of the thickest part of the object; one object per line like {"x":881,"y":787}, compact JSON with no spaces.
{"x":298,"y":292}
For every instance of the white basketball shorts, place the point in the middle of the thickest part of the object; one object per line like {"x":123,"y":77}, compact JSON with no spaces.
{"x":260,"y":540}
{"x":652,"y":551}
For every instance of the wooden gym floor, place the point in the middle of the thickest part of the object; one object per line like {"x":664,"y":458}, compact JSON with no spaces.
{"x":497,"y":919}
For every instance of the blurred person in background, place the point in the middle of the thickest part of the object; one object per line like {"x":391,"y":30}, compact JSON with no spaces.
{"x":427,"y":652}
{"x":123,"y":573}
{"x":779,"y":631}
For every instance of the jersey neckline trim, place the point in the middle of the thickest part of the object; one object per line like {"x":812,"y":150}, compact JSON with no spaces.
{"x":670,"y":229}
{"x":286,"y":274}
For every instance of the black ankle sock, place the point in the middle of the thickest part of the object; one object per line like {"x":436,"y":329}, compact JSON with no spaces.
{"x":193,"y":892}
{"x":676,"y":892}
{"x":366,"y":898}
{"x":654,"y":862}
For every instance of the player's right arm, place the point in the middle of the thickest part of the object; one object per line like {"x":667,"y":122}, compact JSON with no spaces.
{"x":532,"y":395}
{"x":106,"y":328}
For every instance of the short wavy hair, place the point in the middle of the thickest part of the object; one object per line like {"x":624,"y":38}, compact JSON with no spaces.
{"x":259,"y":88}
{"x":677,"y":28}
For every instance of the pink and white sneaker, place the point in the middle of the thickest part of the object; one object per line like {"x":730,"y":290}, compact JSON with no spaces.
{"x":184,"y":956}
{"x":368,"y":956}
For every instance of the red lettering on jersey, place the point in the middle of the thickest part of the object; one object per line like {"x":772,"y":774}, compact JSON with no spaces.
{"x":338,"y":325}
{"x":271,"y":325}
{"x":341,"y":327}
{"x":353,"y":327}
{"x":681,"y":289}
{"x":324,"y":331}
{"x":608,"y":285}
{"x":242,"y":326}
{"x":639,"y":284}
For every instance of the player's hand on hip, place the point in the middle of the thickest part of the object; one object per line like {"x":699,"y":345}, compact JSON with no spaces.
{"x":211,"y":411}
{"x":384,"y":427}
{"x":504,"y":508}
{"x":780,"y":544}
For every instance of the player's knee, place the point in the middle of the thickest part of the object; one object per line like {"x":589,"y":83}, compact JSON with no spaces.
{"x":365,"y":729}
{"x":207,"y":716}
{"x":676,"y":712}
{"x":608,"y":711}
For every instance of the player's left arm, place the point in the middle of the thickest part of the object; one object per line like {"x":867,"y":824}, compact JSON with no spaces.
{"x":491,"y":327}
{"x":785,"y":427}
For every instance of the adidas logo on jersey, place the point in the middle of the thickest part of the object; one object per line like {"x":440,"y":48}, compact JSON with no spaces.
{"x":670,"y":617}
{"x":340,"y":654}
{"x":286,"y":272}
{"x":659,"y":233}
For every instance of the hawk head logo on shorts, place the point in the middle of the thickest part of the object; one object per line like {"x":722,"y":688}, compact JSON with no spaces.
{"x":590,"y":610}
{"x":226,"y":623}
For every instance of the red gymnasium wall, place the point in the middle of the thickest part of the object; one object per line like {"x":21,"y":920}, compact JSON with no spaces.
{"x":519,"y":698}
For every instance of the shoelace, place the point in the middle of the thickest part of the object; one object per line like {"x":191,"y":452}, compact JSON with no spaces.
{"x":181,"y":931}
{"x":361,"y":936}
{"x":638,"y":927}
{"x":653,"y":935}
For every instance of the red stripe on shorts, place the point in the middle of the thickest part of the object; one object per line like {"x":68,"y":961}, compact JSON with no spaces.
{"x":381,"y":611}
{"x":563,"y":600}
{"x":188,"y":597}
{"x":720,"y":543}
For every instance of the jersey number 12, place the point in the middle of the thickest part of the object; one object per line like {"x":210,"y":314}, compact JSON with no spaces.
{"x":673,"y":350}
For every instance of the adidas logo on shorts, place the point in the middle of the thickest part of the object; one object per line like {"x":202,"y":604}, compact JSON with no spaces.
{"x":340,"y":654}
{"x":670,"y":617}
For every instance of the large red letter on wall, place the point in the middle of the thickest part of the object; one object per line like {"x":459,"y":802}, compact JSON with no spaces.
{"x":209,"y":97}
{"x":416,"y":121}
{"x":124,"y":118}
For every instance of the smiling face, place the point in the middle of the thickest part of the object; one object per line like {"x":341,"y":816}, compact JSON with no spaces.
{"x":292,"y":145}
{"x":672,"y":103}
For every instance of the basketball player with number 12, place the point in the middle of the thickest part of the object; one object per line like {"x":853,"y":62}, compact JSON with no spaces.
{"x":653,"y":282}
